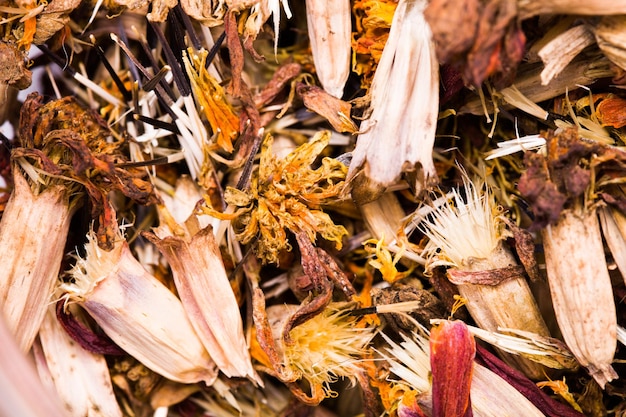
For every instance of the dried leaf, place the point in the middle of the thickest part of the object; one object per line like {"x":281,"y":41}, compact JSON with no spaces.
{"x":333,"y":109}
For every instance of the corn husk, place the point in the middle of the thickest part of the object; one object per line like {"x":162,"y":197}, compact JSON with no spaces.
{"x":398,"y":136}
{"x":81,"y":378}
{"x":561,"y":50}
{"x":139,"y":313}
{"x":581,"y":290}
{"x":330,"y":29}
{"x":33,"y":232}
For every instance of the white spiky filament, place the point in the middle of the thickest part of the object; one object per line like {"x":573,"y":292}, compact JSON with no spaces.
{"x":328,"y":347}
{"x":463,"y":229}
{"x":90,"y":269}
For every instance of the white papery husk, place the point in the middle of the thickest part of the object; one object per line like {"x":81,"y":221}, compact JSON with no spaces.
{"x":33,"y":232}
{"x":399,"y":135}
{"x":330,"y":31}
{"x":581,"y":290}
{"x":139,"y":313}
{"x":81,"y":378}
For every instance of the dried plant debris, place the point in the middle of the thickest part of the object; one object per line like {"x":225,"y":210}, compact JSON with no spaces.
{"x":283,"y":208}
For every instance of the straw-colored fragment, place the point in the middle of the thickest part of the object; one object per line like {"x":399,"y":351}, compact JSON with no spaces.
{"x":530,"y":8}
{"x":23,"y":394}
{"x":561,"y":50}
{"x":139,"y":313}
{"x":614,"y":231}
{"x":399,"y":135}
{"x":33,"y":232}
{"x":81,"y":378}
{"x":611,"y":37}
{"x":581,"y":290}
{"x":207,"y":297}
{"x":330,"y":30}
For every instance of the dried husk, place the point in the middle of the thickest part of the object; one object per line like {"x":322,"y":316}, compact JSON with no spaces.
{"x":610,"y":35}
{"x":23,"y":394}
{"x":81,"y":378}
{"x":530,"y":8}
{"x":581,"y":290}
{"x":139,"y":314}
{"x":330,"y":29}
{"x":399,"y":134}
{"x":560,"y":51}
{"x":207,"y":297}
{"x":33,"y":232}
{"x":507,"y":304}
{"x":614,"y":231}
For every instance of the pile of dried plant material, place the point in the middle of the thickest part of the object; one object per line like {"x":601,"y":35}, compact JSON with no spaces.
{"x":294,"y":208}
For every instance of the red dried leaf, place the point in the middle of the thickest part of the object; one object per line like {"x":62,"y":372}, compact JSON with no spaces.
{"x":452,"y":351}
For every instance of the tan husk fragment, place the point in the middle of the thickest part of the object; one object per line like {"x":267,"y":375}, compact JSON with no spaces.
{"x":614,"y":231}
{"x":329,"y":24}
{"x":23,"y":393}
{"x":81,"y":378}
{"x":581,"y":290}
{"x":139,"y":313}
{"x":610,"y":34}
{"x":207,"y":297}
{"x":399,"y":134}
{"x":33,"y":230}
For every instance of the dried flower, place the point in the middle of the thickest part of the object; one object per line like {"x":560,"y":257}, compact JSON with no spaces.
{"x":286,"y":194}
{"x":323,"y":349}
{"x":491,"y":395}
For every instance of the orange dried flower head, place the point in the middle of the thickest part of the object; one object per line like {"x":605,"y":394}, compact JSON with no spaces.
{"x":287,"y":195}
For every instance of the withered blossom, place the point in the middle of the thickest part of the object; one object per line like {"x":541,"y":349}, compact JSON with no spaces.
{"x":287,"y":195}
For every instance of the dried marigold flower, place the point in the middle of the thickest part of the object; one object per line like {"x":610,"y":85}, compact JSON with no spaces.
{"x":286,"y":194}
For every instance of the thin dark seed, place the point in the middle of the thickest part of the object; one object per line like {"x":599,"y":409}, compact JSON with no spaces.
{"x":191,"y":32}
{"x":57,"y":60}
{"x":160,"y":124}
{"x":154,"y":64}
{"x":118,"y":82}
{"x":246,"y":173}
{"x":170,"y":58}
{"x":156,"y":80}
{"x":131,"y":65}
{"x":215,"y":49}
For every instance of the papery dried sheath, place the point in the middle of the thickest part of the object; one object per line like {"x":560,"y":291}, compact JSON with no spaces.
{"x":139,"y":313}
{"x":31,"y":262}
{"x":208,"y":298}
{"x":23,"y":394}
{"x":330,"y":27}
{"x":81,"y":378}
{"x":614,"y":231}
{"x":452,"y":352}
{"x":581,"y":290}
{"x":399,"y":134}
